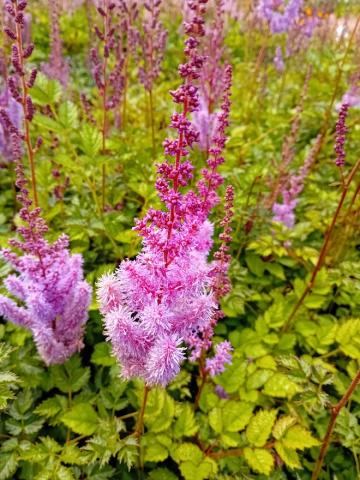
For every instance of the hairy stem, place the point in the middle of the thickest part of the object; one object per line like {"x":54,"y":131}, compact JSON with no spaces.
{"x":140,"y":420}
{"x":334,"y":414}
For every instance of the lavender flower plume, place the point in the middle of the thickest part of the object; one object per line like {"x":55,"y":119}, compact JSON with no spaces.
{"x":57,"y":67}
{"x":50,"y":287}
{"x":156,"y":304}
{"x":341,"y":131}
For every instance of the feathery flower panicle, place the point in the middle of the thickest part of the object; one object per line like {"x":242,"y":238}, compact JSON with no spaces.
{"x":57,"y":67}
{"x":152,"y":42}
{"x":164,"y":299}
{"x":341,"y":131}
{"x":284,"y":212}
{"x":53,"y":295}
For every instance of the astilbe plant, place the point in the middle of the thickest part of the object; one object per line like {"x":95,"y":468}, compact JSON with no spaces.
{"x":164,"y":299}
{"x":53,"y":297}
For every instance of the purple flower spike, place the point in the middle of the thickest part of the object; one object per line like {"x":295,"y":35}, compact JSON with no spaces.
{"x":341,"y":131}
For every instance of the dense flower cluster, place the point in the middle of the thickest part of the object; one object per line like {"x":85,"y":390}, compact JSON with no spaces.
{"x":53,"y":295}
{"x":165,"y":297}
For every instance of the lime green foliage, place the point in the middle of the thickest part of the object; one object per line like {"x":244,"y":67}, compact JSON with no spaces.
{"x":76,"y":421}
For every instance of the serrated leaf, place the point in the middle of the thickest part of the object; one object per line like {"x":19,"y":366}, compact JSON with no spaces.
{"x":260,"y":426}
{"x":280,"y":385}
{"x":162,"y":474}
{"x":236,"y":415}
{"x":188,"y":452}
{"x":8,"y":465}
{"x":185,"y":424}
{"x":51,"y":406}
{"x":215,"y":420}
{"x":287,"y":455}
{"x":68,"y":115}
{"x":159,"y":411}
{"x":282,"y":425}
{"x":90,"y":140}
{"x":297,"y":437}
{"x":81,"y":418}
{"x":259,"y":460}
{"x":155,"y":452}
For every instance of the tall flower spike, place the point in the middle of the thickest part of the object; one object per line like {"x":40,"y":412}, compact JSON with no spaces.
{"x":284,"y":212}
{"x":50,"y":288}
{"x":108,"y":78}
{"x":20,"y":83}
{"x":155,"y":304}
{"x":211,"y":83}
{"x":57,"y":67}
{"x":341,"y":131}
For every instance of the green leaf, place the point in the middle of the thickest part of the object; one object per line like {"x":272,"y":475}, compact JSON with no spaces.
{"x":70,"y":376}
{"x":162,"y":474}
{"x":188,"y":452}
{"x":46,"y":91}
{"x":259,"y":460}
{"x":68,"y":115}
{"x":8,"y":465}
{"x":298,"y":437}
{"x":185,"y":424}
{"x":287,"y":455}
{"x":236,"y":415}
{"x":90,"y":140}
{"x":102,"y":355}
{"x":159,"y":411}
{"x":215,"y":420}
{"x":81,"y":419}
{"x":280,"y":385}
{"x":282,"y":425}
{"x":51,"y":406}
{"x":260,"y":427}
{"x":155,"y":452}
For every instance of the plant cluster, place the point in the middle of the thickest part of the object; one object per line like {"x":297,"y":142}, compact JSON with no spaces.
{"x":179,"y":299}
